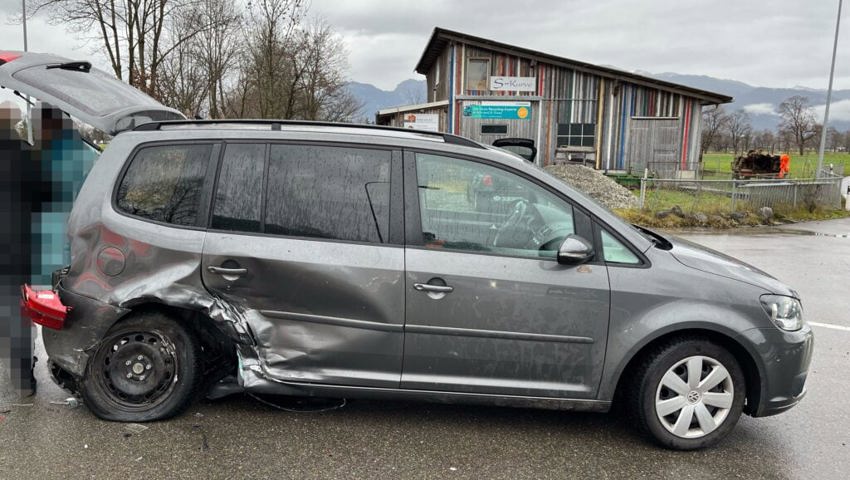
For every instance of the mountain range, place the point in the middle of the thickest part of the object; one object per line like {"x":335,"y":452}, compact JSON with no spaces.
{"x":759,"y":102}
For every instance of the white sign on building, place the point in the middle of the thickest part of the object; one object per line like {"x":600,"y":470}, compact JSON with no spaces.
{"x":422,"y":121}
{"x":516,"y":84}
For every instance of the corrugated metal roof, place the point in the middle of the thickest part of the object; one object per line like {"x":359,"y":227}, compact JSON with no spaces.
{"x":441,"y":37}
{"x":408,"y":108}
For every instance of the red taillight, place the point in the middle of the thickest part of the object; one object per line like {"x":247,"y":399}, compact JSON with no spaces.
{"x":487,"y":181}
{"x":6,"y":57}
{"x":43,"y":307}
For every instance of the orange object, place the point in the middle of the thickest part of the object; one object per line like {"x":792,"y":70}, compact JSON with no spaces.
{"x":784,"y":165}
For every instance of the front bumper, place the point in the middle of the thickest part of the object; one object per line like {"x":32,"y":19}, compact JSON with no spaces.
{"x":785,"y":359}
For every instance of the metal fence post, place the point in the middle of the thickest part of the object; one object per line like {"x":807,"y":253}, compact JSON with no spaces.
{"x":734,"y":194}
{"x":795,"y":195}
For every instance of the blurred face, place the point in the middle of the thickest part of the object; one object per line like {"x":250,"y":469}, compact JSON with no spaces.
{"x":10,"y":116}
{"x":49,"y":123}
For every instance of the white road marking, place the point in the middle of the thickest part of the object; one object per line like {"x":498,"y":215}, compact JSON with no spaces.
{"x":829,"y":325}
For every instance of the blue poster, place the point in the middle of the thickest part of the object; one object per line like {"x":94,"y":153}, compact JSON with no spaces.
{"x":500,"y":111}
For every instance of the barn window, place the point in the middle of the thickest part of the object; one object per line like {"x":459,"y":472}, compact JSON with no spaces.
{"x":477,"y":73}
{"x":576,"y":134}
{"x":497,"y":129}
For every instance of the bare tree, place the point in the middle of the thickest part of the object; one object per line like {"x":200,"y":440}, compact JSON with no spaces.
{"x":134,"y":34}
{"x":322,"y":88}
{"x":217,"y":48}
{"x":834,"y":139}
{"x":713,"y":122}
{"x":269,"y":68}
{"x":292,"y":70}
{"x":184,"y":81}
{"x":765,"y":140}
{"x":798,"y":120}
{"x":739,"y":129}
{"x":219,"y":57}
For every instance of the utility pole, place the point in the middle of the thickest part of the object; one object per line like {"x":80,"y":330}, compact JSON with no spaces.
{"x":828,"y":95}
{"x":26,"y":48}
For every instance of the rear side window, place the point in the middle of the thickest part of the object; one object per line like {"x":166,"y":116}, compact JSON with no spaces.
{"x":164,"y":183}
{"x":337,"y":193}
{"x":239,"y":196}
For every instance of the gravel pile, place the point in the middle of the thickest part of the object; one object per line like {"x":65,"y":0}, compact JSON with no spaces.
{"x":594,"y":183}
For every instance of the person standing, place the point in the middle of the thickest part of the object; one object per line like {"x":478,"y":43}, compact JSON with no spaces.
{"x":65,"y":161}
{"x":20,"y":188}
{"x":784,"y":165}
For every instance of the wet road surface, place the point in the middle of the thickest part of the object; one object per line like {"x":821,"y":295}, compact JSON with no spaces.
{"x":238,"y":437}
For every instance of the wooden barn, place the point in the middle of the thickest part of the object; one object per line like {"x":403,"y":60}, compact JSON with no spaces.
{"x":611,"y":119}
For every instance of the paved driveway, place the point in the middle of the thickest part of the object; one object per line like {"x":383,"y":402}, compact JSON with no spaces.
{"x":238,"y":437}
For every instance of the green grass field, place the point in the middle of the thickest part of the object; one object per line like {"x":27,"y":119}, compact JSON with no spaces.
{"x":719,"y":165}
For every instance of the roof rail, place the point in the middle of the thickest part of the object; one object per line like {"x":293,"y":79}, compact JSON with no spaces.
{"x":276,"y":125}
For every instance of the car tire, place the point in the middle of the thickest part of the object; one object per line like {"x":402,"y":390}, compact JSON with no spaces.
{"x":146,"y":368}
{"x":682,"y":410}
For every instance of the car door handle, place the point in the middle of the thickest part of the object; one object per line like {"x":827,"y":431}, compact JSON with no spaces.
{"x":427,"y":287}
{"x":227,"y":271}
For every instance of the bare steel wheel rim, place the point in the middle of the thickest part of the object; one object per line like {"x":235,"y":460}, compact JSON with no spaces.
{"x":137,"y":370}
{"x":694,"y":397}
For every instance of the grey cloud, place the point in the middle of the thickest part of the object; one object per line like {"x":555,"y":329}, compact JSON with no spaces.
{"x":777,"y":43}
{"x":780,"y":43}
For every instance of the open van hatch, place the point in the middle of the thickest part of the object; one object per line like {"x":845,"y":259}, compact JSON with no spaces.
{"x":91,"y":95}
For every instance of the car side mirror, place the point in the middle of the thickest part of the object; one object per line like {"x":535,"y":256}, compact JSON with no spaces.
{"x":575,"y":250}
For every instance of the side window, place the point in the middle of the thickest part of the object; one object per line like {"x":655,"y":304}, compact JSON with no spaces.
{"x":239,"y":194}
{"x":467,"y":205}
{"x":614,"y":251}
{"x":329,"y":192}
{"x":164,"y":183}
{"x":477,"y":73}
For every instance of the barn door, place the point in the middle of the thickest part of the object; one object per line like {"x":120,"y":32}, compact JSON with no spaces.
{"x":654,"y":144}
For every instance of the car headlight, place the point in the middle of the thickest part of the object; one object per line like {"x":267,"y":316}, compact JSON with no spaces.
{"x":785,"y":312}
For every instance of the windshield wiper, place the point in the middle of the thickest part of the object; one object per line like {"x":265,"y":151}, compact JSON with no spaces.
{"x":84,"y":67}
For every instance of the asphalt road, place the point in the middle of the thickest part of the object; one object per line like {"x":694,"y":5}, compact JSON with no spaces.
{"x":238,"y":437}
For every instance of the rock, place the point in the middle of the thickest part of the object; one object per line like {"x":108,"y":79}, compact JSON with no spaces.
{"x":677,"y":211}
{"x":738,"y":216}
{"x":698,"y":218}
{"x":765,"y":213}
{"x":594,"y":183}
{"x":717,"y":220}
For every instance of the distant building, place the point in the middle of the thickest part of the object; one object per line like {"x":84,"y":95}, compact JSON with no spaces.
{"x":614,"y":120}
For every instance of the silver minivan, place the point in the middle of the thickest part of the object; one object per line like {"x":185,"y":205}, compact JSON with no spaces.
{"x":298,"y":258}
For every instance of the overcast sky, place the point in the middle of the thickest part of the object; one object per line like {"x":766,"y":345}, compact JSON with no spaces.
{"x":777,"y":43}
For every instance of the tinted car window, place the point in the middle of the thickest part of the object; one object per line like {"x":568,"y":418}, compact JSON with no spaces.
{"x":239,"y":194}
{"x":471,"y":206}
{"x":164,"y":183}
{"x":328,"y":192}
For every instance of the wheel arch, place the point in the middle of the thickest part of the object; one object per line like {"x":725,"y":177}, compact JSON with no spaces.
{"x":746,"y":357}
{"x":218,"y":350}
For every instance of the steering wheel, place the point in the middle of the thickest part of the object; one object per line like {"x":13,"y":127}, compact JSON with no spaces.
{"x":516,"y":232}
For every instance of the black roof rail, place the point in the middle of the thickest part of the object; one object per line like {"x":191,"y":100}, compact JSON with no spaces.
{"x":276,"y":125}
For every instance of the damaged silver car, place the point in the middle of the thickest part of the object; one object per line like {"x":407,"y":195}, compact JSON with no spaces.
{"x":350,"y":261}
